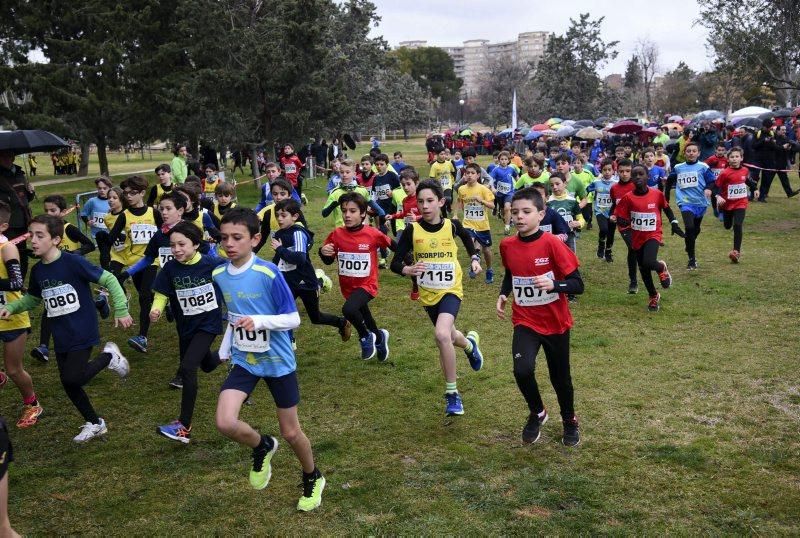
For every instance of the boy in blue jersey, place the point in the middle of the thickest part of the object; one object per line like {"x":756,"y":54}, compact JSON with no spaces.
{"x":398,"y":163}
{"x":261,"y":312}
{"x":273,"y":172}
{"x":504,"y":177}
{"x":656,"y":176}
{"x":61,"y":280}
{"x":602,"y":206}
{"x":692,"y":180}
{"x":95,"y":209}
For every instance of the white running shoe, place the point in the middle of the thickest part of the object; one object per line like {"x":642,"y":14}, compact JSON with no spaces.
{"x":118,"y":364}
{"x":90,"y":431}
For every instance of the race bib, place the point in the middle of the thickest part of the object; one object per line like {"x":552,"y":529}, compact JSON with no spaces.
{"x":474,"y":211}
{"x":566,"y":216}
{"x":286,"y":267}
{"x":164,"y":255}
{"x":119,"y":244}
{"x":438,"y":276}
{"x":384,"y":192}
{"x":688,"y":181}
{"x":737,"y":191}
{"x":446,"y":181}
{"x":526,"y":294}
{"x":142,"y":233}
{"x":603,"y":200}
{"x":60,"y":300}
{"x":197,"y":300}
{"x":210,"y":196}
{"x":354,"y":264}
{"x":643,"y":222}
{"x":546,"y":228}
{"x":503,"y":187}
{"x":99,"y":220}
{"x":717,"y":171}
{"x":249,"y":341}
{"x":291,"y":168}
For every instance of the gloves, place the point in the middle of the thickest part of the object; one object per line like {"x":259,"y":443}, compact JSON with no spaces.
{"x":676,"y":230}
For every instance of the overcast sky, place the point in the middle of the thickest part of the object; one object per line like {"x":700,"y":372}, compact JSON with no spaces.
{"x":668,"y":23}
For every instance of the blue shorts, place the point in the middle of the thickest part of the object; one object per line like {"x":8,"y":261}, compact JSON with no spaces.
{"x":13,"y":334}
{"x":503,"y":199}
{"x":696,"y":209}
{"x":284,"y":389}
{"x":483,"y":238}
{"x":449,"y":304}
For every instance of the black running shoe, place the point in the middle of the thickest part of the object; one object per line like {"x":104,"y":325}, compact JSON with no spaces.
{"x":609,"y":256}
{"x":633,"y":288}
{"x":571,"y":432}
{"x":176,"y":382}
{"x":531,"y":431}
{"x":601,"y":250}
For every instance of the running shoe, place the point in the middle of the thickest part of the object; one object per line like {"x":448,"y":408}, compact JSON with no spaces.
{"x":383,"y":347}
{"x":507,"y":230}
{"x":304,"y":199}
{"x":414,"y":295}
{"x":664,"y":276}
{"x":571,"y":298}
{"x":368,"y":349}
{"x":176,"y":382}
{"x":89,"y":431}
{"x":572,"y":434}
{"x":655,"y":303}
{"x":312,"y":492}
{"x":41,"y":353}
{"x":261,"y":471}
{"x":531,"y":431}
{"x":118,"y":363}
{"x":101,"y":304}
{"x":692,"y":265}
{"x":382,"y":263}
{"x":454,"y":405}
{"x":490,"y":276}
{"x":609,"y":256}
{"x":176,"y":431}
{"x":475,"y":356}
{"x":345,"y":331}
{"x":543,"y":417}
{"x":325,"y":283}
{"x":601,"y":250}
{"x":139,"y":343}
{"x":472,"y":274}
{"x":633,"y":287}
{"x":734,"y":256}
{"x":30,"y":416}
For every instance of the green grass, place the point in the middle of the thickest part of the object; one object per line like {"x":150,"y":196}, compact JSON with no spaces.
{"x":689,"y":417}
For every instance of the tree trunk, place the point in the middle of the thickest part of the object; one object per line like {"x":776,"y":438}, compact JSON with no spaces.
{"x":84,"y":166}
{"x":102,"y":157}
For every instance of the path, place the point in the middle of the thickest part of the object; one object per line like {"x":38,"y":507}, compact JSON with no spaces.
{"x":82,"y":178}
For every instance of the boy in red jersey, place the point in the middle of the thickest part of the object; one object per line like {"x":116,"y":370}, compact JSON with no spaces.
{"x":540,"y":272}
{"x":717,"y":162}
{"x":355,"y":247}
{"x":292,"y":168}
{"x":618,"y":192}
{"x":641,"y":210}
{"x":409,"y":212}
{"x":731,"y":187}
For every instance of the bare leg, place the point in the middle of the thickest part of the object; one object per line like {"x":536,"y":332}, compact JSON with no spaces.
{"x":291,"y":431}
{"x":445,"y":337}
{"x":228,"y":423}
{"x":6,"y":531}
{"x":12,"y":355}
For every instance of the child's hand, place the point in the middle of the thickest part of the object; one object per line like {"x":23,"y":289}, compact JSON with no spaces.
{"x":276,"y":243}
{"x":501,"y":307}
{"x":613,"y":218}
{"x":756,"y":193}
{"x":327,"y":249}
{"x":542,"y":282}
{"x":574,"y":224}
{"x":155,"y":314}
{"x":4,"y":313}
{"x":414,"y":270}
{"x":124,"y":322}
{"x":246,"y":323}
{"x":476,"y":266}
{"x":388,"y":217}
{"x":720,"y":201}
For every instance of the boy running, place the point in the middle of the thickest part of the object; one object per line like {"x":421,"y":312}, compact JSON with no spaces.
{"x":94,"y":211}
{"x":473,"y":199}
{"x":602,"y":205}
{"x":504,"y":177}
{"x":732,"y":198}
{"x":443,"y":171}
{"x":618,"y":191}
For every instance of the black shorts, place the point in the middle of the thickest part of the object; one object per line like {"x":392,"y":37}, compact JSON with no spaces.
{"x":449,"y":304}
{"x":13,"y":334}
{"x":285,"y":390}
{"x":6,"y":450}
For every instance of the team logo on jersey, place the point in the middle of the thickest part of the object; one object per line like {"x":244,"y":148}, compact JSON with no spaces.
{"x":651,"y":206}
{"x":541,"y":261}
{"x":363,"y":246}
{"x":434,"y":243}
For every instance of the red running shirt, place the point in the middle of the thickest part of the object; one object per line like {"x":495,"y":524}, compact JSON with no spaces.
{"x":618,"y":192}
{"x":357,"y":259}
{"x":545,"y":313}
{"x":732,"y":185}
{"x":644,"y":214}
{"x":292,"y":165}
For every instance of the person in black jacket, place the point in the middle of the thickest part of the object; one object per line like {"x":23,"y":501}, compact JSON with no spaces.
{"x":765,"y":146}
{"x":17,"y":193}
{"x":786,"y":148}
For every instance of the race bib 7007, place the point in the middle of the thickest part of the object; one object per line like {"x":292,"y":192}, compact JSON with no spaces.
{"x":354,"y":264}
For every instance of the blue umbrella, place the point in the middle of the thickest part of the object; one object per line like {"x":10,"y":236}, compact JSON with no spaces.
{"x":506,"y":132}
{"x":532,"y":135}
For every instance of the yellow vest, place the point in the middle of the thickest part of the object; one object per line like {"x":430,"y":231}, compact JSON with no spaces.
{"x":273,"y":220}
{"x":211,"y":186}
{"x":160,"y":192}
{"x":66,"y":242}
{"x":118,"y":249}
{"x":443,"y":272}
{"x":139,"y":231}
{"x":17,"y":321}
{"x":216,"y":210}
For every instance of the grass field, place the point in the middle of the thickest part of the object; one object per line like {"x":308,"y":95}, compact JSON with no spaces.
{"x":689,"y":417}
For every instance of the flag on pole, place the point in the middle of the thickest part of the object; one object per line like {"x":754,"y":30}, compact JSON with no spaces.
{"x":514,"y":111}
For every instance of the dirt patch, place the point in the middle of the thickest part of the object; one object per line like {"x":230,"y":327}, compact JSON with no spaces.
{"x":788,"y":402}
{"x":776,"y":226}
{"x":533,"y":512}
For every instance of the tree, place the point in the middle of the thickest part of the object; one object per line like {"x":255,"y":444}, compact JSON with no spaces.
{"x":432,"y":68}
{"x":646,"y":54}
{"x":757,"y":36}
{"x":633,"y":74}
{"x":496,"y":91}
{"x":678,"y":93}
{"x":566,"y":77}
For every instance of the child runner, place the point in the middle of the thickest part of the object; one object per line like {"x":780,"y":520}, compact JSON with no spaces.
{"x":602,"y":205}
{"x":211,"y":182}
{"x":717,"y":163}
{"x":580,"y":174}
{"x":385,"y":182}
{"x":348,"y":184}
{"x":224,"y":194}
{"x":95,"y":209}
{"x":398,"y":163}
{"x":292,"y":243}
{"x":732,"y":198}
{"x":354,"y":246}
{"x":656,"y":175}
{"x":14,"y":330}
{"x":366,"y":175}
{"x":618,"y":192}
{"x":257,"y":342}
{"x":432,"y":241}
{"x":164,"y":185}
{"x":552,"y":222}
{"x":292,"y":168}
{"x":641,"y":210}
{"x":565,"y":205}
{"x":408,"y":213}
{"x":535,"y":173}
{"x":540,"y":271}
{"x":109,"y":252}
{"x":443,"y":171}
{"x":185,"y":282}
{"x":692,"y":180}
{"x":273,"y":172}
{"x":473,"y":199}
{"x":504,"y":177}
{"x":62,"y":281}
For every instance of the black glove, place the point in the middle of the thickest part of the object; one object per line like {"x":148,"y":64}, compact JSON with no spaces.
{"x":676,"y":230}
{"x":121,"y":276}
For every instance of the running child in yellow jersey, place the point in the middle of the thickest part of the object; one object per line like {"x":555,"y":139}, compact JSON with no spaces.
{"x":473,"y":200}
{"x":444,"y":172}
{"x":432,"y":241}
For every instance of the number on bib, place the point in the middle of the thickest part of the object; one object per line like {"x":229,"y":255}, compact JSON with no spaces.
{"x":142,"y":233}
{"x":60,"y":300}
{"x":354,"y":264}
{"x":446,"y":181}
{"x":473,"y":211}
{"x":383,"y":192}
{"x":737,"y":191}
{"x":99,"y":219}
{"x":603,"y":200}
{"x":249,"y":341}
{"x":526,"y":294}
{"x":291,"y":168}
{"x":197,"y":300}
{"x":643,"y":222}
{"x":164,"y":255}
{"x":503,"y":187}
{"x":687,"y":181}
{"x":546,"y":228}
{"x":438,"y":276}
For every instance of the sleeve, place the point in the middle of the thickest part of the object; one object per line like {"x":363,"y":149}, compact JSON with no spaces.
{"x":560,"y":226}
{"x":118,"y":298}
{"x":404,"y":246}
{"x":264,"y":230}
{"x":210,"y":227}
{"x":466,"y":239}
{"x":159,"y":302}
{"x":300,"y":252}
{"x":709,"y":177}
{"x":143,"y":263}
{"x":622,"y":211}
{"x":225,"y":346}
{"x":375,"y":207}
{"x":24,"y":303}
{"x":331,"y":204}
{"x":86,"y":210}
{"x":76,"y":235}
{"x":432,"y":172}
{"x":327,"y":260}
{"x":119,"y":226}
{"x":161,"y":284}
{"x":151,"y":198}
{"x":286,"y":316}
{"x":590,"y":187}
{"x":15,"y":280}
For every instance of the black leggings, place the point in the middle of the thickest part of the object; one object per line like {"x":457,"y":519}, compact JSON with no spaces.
{"x":143,"y":281}
{"x":310,"y":300}
{"x":195,"y":352}
{"x":647,"y":256}
{"x":632,"y":261}
{"x":525,"y":346}
{"x":356,"y":311}
{"x":104,"y":248}
{"x":606,"y":230}
{"x":735,"y":219}
{"x":76,"y":370}
{"x":691,"y":225}
{"x":587,"y":211}
{"x":44,"y":330}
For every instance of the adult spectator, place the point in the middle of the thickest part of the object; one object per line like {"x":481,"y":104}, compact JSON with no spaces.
{"x":785,"y":149}
{"x":17,"y":193}
{"x":179,"y":168}
{"x":321,"y":154}
{"x":708,"y":139}
{"x":335,"y":149}
{"x":765,"y":147}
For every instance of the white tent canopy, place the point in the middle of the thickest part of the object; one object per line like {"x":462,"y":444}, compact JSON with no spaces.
{"x":748,"y":112}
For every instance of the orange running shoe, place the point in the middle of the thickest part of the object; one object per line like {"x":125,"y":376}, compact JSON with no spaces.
{"x":30,"y":416}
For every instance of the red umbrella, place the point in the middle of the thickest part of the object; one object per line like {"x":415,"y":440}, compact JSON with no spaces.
{"x":625,"y":127}
{"x":540,"y":127}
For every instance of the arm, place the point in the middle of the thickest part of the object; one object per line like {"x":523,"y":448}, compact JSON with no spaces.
{"x":404,"y":246}
{"x":264,"y":231}
{"x":143,"y":263}
{"x":109,"y":281}
{"x":466,"y":239}
{"x":76,"y":235}
{"x":119,"y":227}
{"x":151,"y":198}
{"x":572,"y":284}
{"x":375,"y":207}
{"x":300,"y":252}
{"x":208,"y":224}
{"x":23,"y":304}
{"x":262,"y":203}
{"x":225,"y":345}
{"x":330,"y":206}
{"x":159,"y":302}
{"x":15,"y":280}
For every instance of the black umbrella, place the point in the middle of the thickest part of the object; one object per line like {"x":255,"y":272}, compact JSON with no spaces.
{"x":783,"y":113}
{"x":583,"y":123}
{"x":748,"y":122}
{"x":602,"y":120}
{"x":766,"y":115}
{"x":29,"y":141}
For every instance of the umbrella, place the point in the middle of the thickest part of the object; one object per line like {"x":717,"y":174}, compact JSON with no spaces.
{"x":568,"y":123}
{"x":766,"y":115}
{"x":29,"y":141}
{"x":601,"y":121}
{"x":583,"y":123}
{"x":748,"y":112}
{"x":673,"y":126}
{"x":625,"y":127}
{"x":549,"y":132}
{"x":708,"y":115}
{"x":556,"y":126}
{"x":675,"y":118}
{"x":566,"y":131}
{"x":506,"y":132}
{"x":747,"y":122}
{"x":466,"y":132}
{"x":532,"y":135}
{"x":540,"y":127}
{"x":589,"y":133}
{"x":553,"y":121}
{"x":524,"y":130}
{"x":784,"y":113}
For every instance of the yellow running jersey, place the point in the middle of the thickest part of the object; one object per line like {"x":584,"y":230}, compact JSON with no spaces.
{"x":442,"y":272}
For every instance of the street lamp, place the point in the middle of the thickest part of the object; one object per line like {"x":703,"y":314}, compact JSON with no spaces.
{"x":461,"y":102}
